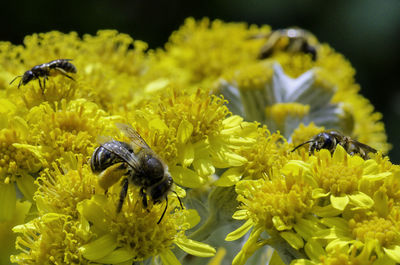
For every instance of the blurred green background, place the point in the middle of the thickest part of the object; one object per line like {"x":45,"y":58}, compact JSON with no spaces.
{"x":367,"y":32}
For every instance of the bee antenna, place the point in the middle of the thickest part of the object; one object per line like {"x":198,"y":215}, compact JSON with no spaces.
{"x":14,"y":79}
{"x":180,"y":201}
{"x":166,"y":206}
{"x":300,"y":145}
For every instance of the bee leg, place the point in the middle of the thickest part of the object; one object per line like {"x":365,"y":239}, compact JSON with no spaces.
{"x":40,"y":84}
{"x":63,"y":72}
{"x":123,"y":194}
{"x":165,"y":209}
{"x":144,"y":198}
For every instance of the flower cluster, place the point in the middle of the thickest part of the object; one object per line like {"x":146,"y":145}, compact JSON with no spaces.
{"x":223,"y":107}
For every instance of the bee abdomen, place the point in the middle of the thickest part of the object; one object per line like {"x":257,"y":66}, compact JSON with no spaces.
{"x":63,"y":64}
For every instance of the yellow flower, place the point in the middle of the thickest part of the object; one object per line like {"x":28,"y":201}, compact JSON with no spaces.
{"x":304,"y":133}
{"x":7,"y":244}
{"x":193,"y":133}
{"x":268,"y":154}
{"x":303,"y":91}
{"x":108,"y":54}
{"x":53,"y":238}
{"x":79,"y":224}
{"x":68,"y":127}
{"x":282,"y":102}
{"x":207,"y":49}
{"x":17,"y":165}
{"x":337,"y":178}
{"x":281,"y":206}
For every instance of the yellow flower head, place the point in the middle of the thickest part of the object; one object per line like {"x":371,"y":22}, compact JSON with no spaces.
{"x":88,"y":227}
{"x":96,"y":58}
{"x":68,"y":127}
{"x":193,"y":134}
{"x":50,"y":238}
{"x":18,"y":165}
{"x":207,"y":49}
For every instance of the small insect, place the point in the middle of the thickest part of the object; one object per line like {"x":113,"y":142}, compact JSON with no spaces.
{"x":330,"y":139}
{"x":137,"y":163}
{"x":59,"y":66}
{"x":290,"y":40}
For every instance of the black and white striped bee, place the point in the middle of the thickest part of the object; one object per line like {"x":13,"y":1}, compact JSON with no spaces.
{"x":290,"y":40}
{"x":137,"y":163}
{"x":330,"y":139}
{"x":59,"y":66}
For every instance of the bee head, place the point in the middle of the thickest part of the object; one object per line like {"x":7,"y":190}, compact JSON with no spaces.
{"x":160,"y":190}
{"x":323,"y":141}
{"x":28,"y":76}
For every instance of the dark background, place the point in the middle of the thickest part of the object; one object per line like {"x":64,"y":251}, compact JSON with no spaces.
{"x":367,"y":32}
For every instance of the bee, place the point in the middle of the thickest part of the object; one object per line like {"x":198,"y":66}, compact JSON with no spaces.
{"x":59,"y":66}
{"x":290,"y":40}
{"x":330,"y":139}
{"x":137,"y":163}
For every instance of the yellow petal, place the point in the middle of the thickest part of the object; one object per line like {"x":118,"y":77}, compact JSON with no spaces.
{"x":186,"y":177}
{"x":294,"y":240}
{"x":156,"y":85}
{"x":276,"y":259}
{"x":314,"y":250}
{"x":169,"y":258}
{"x":92,"y":211}
{"x":336,"y":222}
{"x":194,"y":247}
{"x":230,"y":177}
{"x":303,"y":262}
{"x":361,"y":200}
{"x":186,"y":154}
{"x":306,"y":228}
{"x":241,"y":231}
{"x":240,"y":215}
{"x":393,"y":253}
{"x":204,"y":167}
{"x":217,"y":260}
{"x":192,"y":217}
{"x":8,"y":199}
{"x":279,"y":224}
{"x":158,"y":125}
{"x":232,"y":121}
{"x":339,"y":203}
{"x":100,"y":247}
{"x":117,"y":256}
{"x":26,"y":184}
{"x":326,"y":211}
{"x":319,"y":193}
{"x":381,"y":202}
{"x":185,"y":130}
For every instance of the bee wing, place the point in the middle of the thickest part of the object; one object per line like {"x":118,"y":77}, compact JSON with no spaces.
{"x":124,"y":154}
{"x":365,"y":147}
{"x":133,"y":135}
